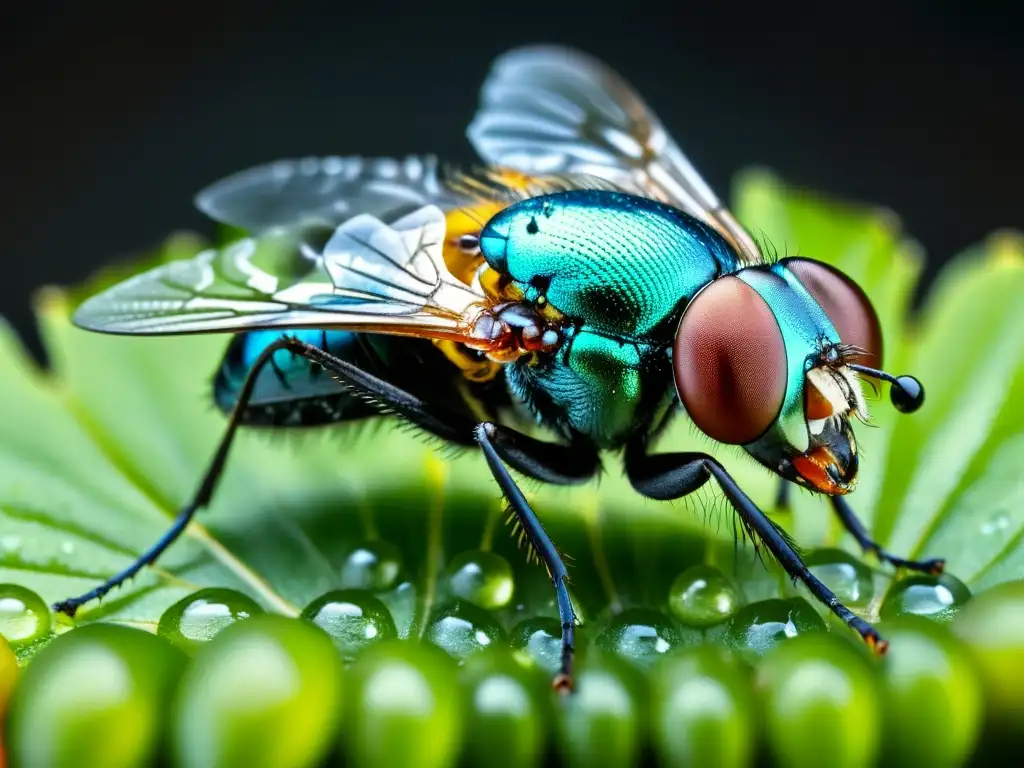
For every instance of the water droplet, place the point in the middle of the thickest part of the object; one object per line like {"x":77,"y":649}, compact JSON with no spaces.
{"x":198,"y":618}
{"x":702,"y":596}
{"x":760,"y":626}
{"x":844,"y":574}
{"x":535,"y":596}
{"x":997,"y":523}
{"x":937,"y":597}
{"x":67,"y":547}
{"x":461,"y":629}
{"x":9,"y":542}
{"x":373,"y":565}
{"x":354,"y":618}
{"x":482,"y":578}
{"x":641,"y":636}
{"x":540,"y":641}
{"x":24,"y":616}
{"x":401,"y":603}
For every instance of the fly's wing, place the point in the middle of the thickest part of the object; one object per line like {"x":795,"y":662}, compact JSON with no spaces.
{"x":323,"y":192}
{"x":554,"y":110}
{"x":369,"y":276}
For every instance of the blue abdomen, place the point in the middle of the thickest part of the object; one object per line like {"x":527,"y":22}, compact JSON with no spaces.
{"x":618,"y":264}
{"x":290,"y":392}
{"x":294,"y":393}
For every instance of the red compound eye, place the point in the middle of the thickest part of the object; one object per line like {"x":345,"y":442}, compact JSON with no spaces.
{"x":730,"y":362}
{"x":845,"y":304}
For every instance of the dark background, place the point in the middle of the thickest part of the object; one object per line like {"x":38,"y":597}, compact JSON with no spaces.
{"x":112,"y":118}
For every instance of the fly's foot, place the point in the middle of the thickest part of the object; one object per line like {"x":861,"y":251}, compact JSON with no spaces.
{"x":563,"y":684}
{"x":68,"y":607}
{"x":932,"y":567}
{"x":874,"y":640}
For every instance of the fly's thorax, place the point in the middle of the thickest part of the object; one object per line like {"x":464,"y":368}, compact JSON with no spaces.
{"x":621,"y":265}
{"x":604,"y":387}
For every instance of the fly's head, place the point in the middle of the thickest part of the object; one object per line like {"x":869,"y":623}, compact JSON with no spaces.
{"x":772,"y":359}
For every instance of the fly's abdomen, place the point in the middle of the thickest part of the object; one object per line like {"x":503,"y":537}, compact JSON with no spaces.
{"x":293,"y":393}
{"x":620,"y":264}
{"x":289,"y":391}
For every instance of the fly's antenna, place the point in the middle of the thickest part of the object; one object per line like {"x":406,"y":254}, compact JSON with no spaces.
{"x":906,"y":392}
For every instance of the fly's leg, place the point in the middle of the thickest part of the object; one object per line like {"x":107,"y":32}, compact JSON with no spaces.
{"x":547,"y":462}
{"x":857,"y":530}
{"x":669,"y":476}
{"x":498,"y":443}
{"x":383,"y":392}
{"x":202,"y":496}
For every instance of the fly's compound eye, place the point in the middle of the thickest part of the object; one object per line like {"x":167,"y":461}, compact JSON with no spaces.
{"x":729,"y":362}
{"x":845,"y":303}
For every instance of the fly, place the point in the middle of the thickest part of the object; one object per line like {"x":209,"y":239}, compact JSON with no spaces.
{"x":586,"y":278}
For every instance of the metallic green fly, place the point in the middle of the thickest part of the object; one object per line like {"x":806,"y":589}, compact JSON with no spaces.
{"x":586,"y":279}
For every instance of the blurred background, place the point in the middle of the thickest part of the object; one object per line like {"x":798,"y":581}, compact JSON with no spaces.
{"x":113,"y":117}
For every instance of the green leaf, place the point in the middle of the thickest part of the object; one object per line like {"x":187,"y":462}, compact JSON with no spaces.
{"x":97,"y":455}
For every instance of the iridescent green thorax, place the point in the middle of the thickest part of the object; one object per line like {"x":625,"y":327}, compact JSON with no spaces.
{"x":615,"y":263}
{"x":596,"y":385}
{"x":621,"y":269}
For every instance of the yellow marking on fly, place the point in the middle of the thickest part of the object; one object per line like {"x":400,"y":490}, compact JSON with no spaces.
{"x":474,"y":368}
{"x":461,"y":223}
{"x":475,"y":406}
{"x":498,"y":287}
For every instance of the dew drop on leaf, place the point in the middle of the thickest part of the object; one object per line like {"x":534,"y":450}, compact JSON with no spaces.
{"x":937,"y":597}
{"x":505,"y":713}
{"x":404,"y":708}
{"x":482,"y":578}
{"x":933,"y":692}
{"x":265,"y":692}
{"x":601,"y":723}
{"x":461,"y":629}
{"x":758,"y":627}
{"x":354,"y":618}
{"x":844,"y":574}
{"x":703,"y":596}
{"x":24,"y":615}
{"x":198,"y":618}
{"x":996,"y":525}
{"x":540,"y":641}
{"x":401,"y":602}
{"x":702,"y":709}
{"x":642,"y":636}
{"x":821,"y":703}
{"x":95,"y":697}
{"x":992,"y":625}
{"x":373,"y":565}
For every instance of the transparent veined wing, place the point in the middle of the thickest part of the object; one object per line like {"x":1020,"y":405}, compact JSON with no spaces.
{"x":369,"y":276}
{"x":323,"y":192}
{"x":555,"y":110}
